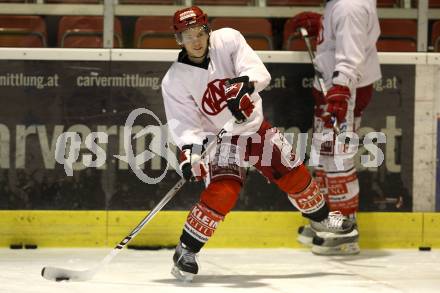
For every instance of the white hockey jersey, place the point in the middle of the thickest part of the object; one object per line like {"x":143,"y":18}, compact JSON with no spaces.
{"x":194,"y":98}
{"x":347,"y":43}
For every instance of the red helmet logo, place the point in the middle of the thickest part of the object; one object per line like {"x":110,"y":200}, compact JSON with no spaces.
{"x":189,"y":17}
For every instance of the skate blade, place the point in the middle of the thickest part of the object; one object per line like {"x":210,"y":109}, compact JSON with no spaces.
{"x":307,"y":241}
{"x":342,"y":249}
{"x":325,"y":235}
{"x":181,"y":275}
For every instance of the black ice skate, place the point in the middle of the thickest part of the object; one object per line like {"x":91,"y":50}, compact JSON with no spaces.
{"x":336,"y":235}
{"x":341,"y":245}
{"x":335,"y":223}
{"x":185,"y":263}
{"x":305,"y":235}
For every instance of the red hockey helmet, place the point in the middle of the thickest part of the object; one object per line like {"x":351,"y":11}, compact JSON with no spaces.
{"x":189,"y":17}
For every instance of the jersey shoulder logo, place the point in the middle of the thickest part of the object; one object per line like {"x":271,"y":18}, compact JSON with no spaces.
{"x":214,"y":98}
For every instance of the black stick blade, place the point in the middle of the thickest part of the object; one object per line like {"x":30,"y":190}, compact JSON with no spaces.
{"x":60,"y":274}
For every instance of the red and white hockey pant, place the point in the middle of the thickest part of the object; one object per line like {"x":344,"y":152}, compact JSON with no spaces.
{"x":272,"y":156}
{"x":335,"y":171}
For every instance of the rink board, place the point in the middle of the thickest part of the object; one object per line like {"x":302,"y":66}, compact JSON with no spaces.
{"x":239,"y":230}
{"x":431,"y":229}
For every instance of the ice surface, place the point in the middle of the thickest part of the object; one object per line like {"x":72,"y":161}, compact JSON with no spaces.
{"x":226,"y":270}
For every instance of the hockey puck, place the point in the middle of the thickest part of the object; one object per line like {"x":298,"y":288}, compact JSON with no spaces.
{"x":30,"y":246}
{"x":16,"y":246}
{"x":59,"y":279}
{"x":424,"y":248}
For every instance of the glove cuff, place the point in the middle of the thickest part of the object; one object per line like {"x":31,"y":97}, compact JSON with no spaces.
{"x":248,"y":87}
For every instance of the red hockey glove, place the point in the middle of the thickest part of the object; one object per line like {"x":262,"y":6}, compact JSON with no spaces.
{"x":238,"y":94}
{"x":191,"y":165}
{"x":311,"y":21}
{"x":337,"y":104}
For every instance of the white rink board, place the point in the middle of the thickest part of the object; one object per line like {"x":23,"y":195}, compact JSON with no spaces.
{"x":226,"y":270}
{"x":171,"y":55}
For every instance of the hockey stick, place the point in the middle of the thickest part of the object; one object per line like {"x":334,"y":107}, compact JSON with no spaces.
{"x":318,"y":74}
{"x":60,"y":274}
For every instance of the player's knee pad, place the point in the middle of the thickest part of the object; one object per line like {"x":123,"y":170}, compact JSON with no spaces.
{"x":221,"y":195}
{"x":215,"y":202}
{"x":343,"y":192}
{"x":303,"y":192}
{"x":200,"y":225}
{"x":342,"y":186}
{"x":310,"y":202}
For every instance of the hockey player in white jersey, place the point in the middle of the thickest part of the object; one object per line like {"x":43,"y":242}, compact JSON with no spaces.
{"x":346,"y":57}
{"x":216,"y":77}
